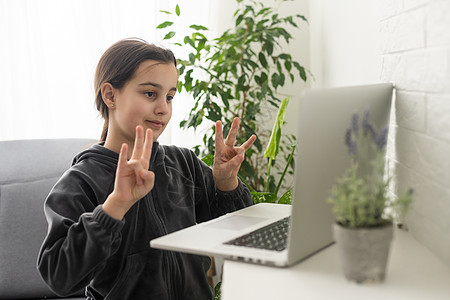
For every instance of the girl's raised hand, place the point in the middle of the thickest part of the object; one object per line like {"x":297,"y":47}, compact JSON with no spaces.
{"x":133,"y":179}
{"x":227,"y":157}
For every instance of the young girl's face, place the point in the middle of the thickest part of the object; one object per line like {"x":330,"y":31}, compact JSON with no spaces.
{"x":145,"y":100}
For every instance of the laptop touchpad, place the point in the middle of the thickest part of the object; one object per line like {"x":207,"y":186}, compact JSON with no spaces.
{"x":236,"y":222}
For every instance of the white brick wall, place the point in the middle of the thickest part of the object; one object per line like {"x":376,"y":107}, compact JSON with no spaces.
{"x":415,"y":44}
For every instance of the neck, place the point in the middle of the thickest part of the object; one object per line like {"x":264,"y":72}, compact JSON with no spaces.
{"x":115,"y":144}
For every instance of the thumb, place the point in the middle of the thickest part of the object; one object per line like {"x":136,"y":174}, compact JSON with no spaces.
{"x":148,"y":178}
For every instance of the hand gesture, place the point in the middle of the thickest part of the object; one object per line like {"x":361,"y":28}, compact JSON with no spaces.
{"x":133,"y":180}
{"x":227,"y":157}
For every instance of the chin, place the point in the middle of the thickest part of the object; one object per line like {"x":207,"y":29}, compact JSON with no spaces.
{"x":156,"y":135}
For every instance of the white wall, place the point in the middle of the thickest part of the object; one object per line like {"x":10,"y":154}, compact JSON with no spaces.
{"x":406,"y":42}
{"x":416,"y":56}
{"x":345,"y":47}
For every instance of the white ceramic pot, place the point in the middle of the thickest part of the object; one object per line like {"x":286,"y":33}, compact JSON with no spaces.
{"x":364,"y":252}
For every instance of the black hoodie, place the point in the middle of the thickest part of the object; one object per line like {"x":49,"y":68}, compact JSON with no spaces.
{"x":85,"y":247}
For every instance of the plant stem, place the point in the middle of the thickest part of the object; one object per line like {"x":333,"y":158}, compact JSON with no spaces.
{"x":246,"y":183}
{"x":268,"y":175}
{"x":244,"y":93}
{"x":291,"y":155}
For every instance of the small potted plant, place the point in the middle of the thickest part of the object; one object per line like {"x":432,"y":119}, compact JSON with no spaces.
{"x":364,"y":212}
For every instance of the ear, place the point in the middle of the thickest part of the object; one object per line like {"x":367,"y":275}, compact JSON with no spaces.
{"x":108,"y":91}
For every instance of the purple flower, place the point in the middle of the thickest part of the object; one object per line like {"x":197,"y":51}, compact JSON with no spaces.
{"x":381,"y":139}
{"x":367,"y":127}
{"x":351,"y":145}
{"x":368,"y":132}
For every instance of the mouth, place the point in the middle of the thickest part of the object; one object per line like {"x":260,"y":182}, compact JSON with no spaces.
{"x":155,"y":124}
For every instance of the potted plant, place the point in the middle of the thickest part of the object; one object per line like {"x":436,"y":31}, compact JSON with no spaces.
{"x":364,"y":212}
{"x":237,"y":74}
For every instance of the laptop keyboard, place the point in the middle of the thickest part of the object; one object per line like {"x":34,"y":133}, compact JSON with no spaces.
{"x":270,"y":237}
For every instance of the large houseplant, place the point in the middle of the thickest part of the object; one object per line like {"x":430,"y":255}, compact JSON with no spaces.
{"x":361,"y":204}
{"x":237,"y":74}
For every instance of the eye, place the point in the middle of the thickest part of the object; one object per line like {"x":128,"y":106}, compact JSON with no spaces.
{"x":150,"y":94}
{"x":169,"y":98}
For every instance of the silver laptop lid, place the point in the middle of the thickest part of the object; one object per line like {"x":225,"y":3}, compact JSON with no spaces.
{"x":325,"y":115}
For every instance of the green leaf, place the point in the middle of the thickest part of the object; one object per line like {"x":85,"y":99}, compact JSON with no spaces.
{"x":275,"y":80}
{"x":208,"y":159}
{"x":169,"y":35}
{"x":288,"y":65}
{"x":214,"y":112}
{"x":286,"y":198}
{"x":258,"y":80}
{"x":217,"y":291}
{"x":301,"y":70}
{"x":191,"y":58}
{"x":274,"y":142}
{"x":250,"y":62}
{"x":269,"y":47}
{"x":241,"y":82}
{"x":198,"y":27}
{"x":281,"y":79}
{"x":264,"y":11}
{"x":201,"y":45}
{"x":165,"y":12}
{"x":188,"y":40}
{"x":225,"y":96}
{"x":263,"y":197}
{"x":264,"y":77}
{"x":177,"y":10}
{"x":239,"y":20}
{"x":279,"y":67}
{"x":285,"y":56}
{"x":164,"y":25}
{"x":262,"y":59}
{"x":302,"y":17}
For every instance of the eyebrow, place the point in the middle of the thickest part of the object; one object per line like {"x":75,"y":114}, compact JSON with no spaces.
{"x":157,"y":85}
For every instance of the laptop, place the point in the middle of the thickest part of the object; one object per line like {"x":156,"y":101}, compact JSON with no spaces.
{"x":324,"y":116}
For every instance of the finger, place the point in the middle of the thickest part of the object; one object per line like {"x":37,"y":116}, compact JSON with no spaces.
{"x":219,"y":136}
{"x":148,"y":145}
{"x":148,"y":178}
{"x":138,"y":143}
{"x":122,"y":162}
{"x":248,"y":143}
{"x":231,"y":138}
{"x":137,"y":168}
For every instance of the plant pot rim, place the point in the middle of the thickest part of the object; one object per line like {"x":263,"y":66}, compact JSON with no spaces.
{"x":384,"y":225}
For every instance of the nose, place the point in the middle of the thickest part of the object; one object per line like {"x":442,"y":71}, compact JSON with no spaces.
{"x":161,"y":106}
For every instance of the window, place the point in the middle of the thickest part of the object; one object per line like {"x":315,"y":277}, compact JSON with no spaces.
{"x":48,"y":54}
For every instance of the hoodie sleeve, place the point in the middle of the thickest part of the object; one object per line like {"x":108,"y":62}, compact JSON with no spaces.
{"x":233,"y":200}
{"x":81,"y":236}
{"x":214,"y":202}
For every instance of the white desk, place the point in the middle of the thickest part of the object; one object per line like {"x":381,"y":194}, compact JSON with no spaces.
{"x":413,"y":273}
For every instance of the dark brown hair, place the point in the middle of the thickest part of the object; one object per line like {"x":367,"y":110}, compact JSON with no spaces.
{"x":118,"y":65}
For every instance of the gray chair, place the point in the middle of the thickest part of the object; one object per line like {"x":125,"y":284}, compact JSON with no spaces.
{"x":28,"y":170}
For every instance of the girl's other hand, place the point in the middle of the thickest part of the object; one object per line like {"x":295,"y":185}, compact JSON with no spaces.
{"x":227,"y":157}
{"x":133,"y":179}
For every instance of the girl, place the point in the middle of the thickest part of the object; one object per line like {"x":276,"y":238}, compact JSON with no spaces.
{"x":127,"y":190}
